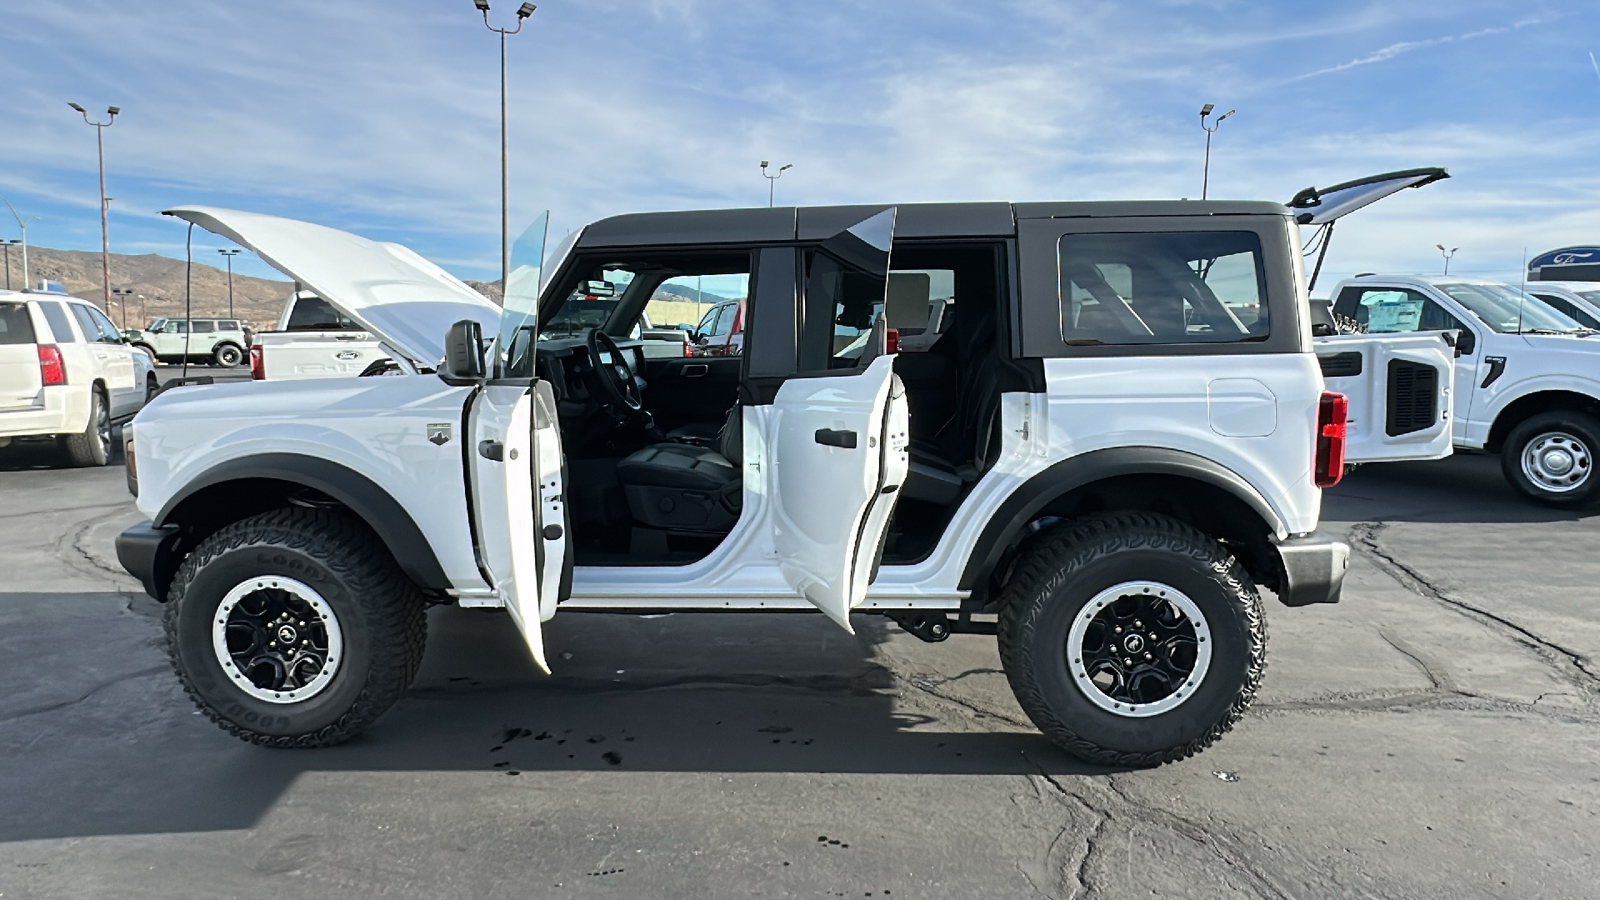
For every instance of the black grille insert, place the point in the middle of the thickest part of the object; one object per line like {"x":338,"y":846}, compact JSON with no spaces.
{"x":1413,"y":397}
{"x":1340,"y":365}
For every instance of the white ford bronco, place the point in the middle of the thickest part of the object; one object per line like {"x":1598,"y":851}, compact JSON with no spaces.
{"x":1117,"y":433}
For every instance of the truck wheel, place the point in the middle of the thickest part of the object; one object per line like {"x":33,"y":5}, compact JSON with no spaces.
{"x":227,"y":356}
{"x":93,"y":446}
{"x":294,"y":628}
{"x":1551,"y":458}
{"x":1131,"y":639}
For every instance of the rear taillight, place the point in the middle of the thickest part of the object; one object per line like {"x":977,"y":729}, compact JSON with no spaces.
{"x":688,"y":350}
{"x":1331,"y":414}
{"x":258,"y":365}
{"x":52,"y":370}
{"x":891,"y":340}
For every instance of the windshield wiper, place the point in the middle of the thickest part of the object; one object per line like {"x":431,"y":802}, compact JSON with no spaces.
{"x":1548,"y":331}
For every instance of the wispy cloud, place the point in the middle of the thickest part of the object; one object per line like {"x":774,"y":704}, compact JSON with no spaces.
{"x":1393,"y":50}
{"x":1594,"y":63}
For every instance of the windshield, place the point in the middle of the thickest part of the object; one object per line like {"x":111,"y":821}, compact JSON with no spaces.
{"x":589,"y":305}
{"x":157,"y":325}
{"x":1591,"y":296}
{"x":1508,"y":310}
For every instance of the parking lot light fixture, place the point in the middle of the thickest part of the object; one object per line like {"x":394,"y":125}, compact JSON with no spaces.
{"x":7,"y":245}
{"x":229,"y":255}
{"x":1448,"y":255}
{"x":523,"y":12}
{"x":1210,"y":129}
{"x":105,"y":241}
{"x":22,"y":226}
{"x":772,"y":180}
{"x":122,"y":302}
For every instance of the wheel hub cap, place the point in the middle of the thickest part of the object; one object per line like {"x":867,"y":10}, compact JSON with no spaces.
{"x":1556,"y":462}
{"x":277,"y":639}
{"x":1139,"y":648}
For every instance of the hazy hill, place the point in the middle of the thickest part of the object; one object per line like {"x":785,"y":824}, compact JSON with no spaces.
{"x":258,"y":301}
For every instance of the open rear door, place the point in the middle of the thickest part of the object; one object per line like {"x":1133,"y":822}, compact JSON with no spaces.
{"x":1398,"y":386}
{"x":840,"y":442}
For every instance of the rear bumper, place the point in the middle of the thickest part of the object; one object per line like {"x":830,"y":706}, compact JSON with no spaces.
{"x":65,"y":411}
{"x":1311,"y":569}
{"x":147,"y":552}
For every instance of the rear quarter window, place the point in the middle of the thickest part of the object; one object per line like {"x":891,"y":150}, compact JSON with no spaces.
{"x":59,"y":326}
{"x":1203,"y":287}
{"x":16,"y":326}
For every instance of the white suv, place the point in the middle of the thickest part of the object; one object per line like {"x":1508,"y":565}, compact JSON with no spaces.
{"x":1577,"y":300}
{"x":66,"y":373}
{"x":220,"y":342}
{"x":1111,"y":429}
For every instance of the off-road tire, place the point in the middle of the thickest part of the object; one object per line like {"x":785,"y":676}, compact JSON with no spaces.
{"x":1062,"y":569}
{"x":89,"y":447}
{"x":227,"y":356}
{"x":151,"y":387}
{"x":380,"y":613}
{"x":1582,"y":426}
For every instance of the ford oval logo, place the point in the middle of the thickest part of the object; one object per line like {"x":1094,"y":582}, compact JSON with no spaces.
{"x":347,"y":355}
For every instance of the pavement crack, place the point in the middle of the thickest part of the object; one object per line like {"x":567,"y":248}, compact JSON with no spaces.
{"x":931,"y":688}
{"x":64,"y":704}
{"x":1364,"y":537}
{"x":1432,"y":668}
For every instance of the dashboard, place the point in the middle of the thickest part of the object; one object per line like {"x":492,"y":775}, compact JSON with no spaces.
{"x":566,"y":364}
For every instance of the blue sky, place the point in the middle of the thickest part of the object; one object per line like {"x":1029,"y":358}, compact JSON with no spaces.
{"x":381,"y":117}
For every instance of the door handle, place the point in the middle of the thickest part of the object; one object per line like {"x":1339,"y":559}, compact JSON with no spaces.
{"x":347,"y":337}
{"x":695,"y":371}
{"x":494,"y":450}
{"x":836,"y":437}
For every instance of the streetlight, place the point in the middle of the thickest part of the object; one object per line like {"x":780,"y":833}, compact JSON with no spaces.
{"x":22,"y":226}
{"x":229,"y":255}
{"x":105,"y":241}
{"x":772,"y":180}
{"x":1205,"y":178}
{"x":122,"y":301}
{"x":523,"y":12}
{"x":1448,"y":255}
{"x":7,"y":244}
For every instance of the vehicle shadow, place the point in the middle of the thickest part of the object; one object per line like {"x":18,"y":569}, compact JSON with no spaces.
{"x":37,"y":455}
{"x":1465,"y":487}
{"x":685,"y":693}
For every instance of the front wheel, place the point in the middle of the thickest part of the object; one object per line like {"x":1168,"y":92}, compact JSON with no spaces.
{"x":1551,"y":458}
{"x":294,"y":628}
{"x":1131,"y":639}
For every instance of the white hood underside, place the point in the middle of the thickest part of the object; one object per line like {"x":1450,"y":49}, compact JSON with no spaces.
{"x":406,"y":301}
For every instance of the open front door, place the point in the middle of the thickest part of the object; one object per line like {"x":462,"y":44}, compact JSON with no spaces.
{"x":839,"y":438}
{"x":1399,"y":388}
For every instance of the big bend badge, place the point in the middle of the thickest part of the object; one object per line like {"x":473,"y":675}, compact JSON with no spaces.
{"x":439,"y":433}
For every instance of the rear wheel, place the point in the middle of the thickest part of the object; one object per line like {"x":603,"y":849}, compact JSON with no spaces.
{"x":1551,"y":458}
{"x":91,"y":447}
{"x":294,"y":628}
{"x":151,"y":387}
{"x":227,"y":356}
{"x":1131,"y":639}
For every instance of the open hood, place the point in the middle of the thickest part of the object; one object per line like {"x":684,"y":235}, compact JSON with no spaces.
{"x":1319,"y":206}
{"x":404,"y":300}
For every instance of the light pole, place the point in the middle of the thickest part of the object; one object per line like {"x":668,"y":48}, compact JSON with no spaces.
{"x":22,"y":226}
{"x":1205,"y":177}
{"x":229,"y":255}
{"x":7,"y":244}
{"x":122,"y":301}
{"x":523,"y":12}
{"x":100,"y":145}
{"x":1448,"y":255}
{"x":772,"y":180}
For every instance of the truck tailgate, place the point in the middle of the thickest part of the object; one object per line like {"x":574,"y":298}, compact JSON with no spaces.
{"x":289,"y":355}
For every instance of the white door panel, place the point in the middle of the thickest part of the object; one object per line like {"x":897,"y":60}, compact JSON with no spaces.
{"x":1398,"y":410}
{"x":551,"y":520}
{"x":839,"y":455}
{"x":504,"y":459}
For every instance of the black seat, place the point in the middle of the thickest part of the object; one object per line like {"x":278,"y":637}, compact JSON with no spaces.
{"x":684,"y":487}
{"x":963,"y":450}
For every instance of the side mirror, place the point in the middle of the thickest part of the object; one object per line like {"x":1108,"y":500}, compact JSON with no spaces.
{"x":463,"y":354}
{"x":1466,"y":342}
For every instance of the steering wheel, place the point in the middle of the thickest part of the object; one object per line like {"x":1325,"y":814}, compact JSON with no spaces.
{"x":617,"y":380}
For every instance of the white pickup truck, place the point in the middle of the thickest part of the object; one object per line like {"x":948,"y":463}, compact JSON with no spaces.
{"x":1120,"y":434}
{"x":313,"y":340}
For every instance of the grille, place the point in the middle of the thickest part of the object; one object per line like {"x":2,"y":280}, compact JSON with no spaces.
{"x":1413,"y":397}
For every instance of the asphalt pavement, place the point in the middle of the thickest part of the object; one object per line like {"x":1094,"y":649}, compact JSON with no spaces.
{"x":1434,"y":735}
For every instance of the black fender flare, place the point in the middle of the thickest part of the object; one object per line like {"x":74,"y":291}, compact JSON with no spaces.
{"x":382,"y":513}
{"x":1006,"y":526}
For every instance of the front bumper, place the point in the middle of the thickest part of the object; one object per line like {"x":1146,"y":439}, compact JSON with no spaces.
{"x":149,"y":554}
{"x":1311,"y":569}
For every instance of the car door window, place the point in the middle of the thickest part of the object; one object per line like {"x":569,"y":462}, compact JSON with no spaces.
{"x":91,"y":329}
{"x":724,"y":323}
{"x":177,"y":328}
{"x":108,"y":331}
{"x":204,"y":327}
{"x":1383,"y":310}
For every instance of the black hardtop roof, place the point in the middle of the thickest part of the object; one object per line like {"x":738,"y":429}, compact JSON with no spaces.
{"x":912,"y":220}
